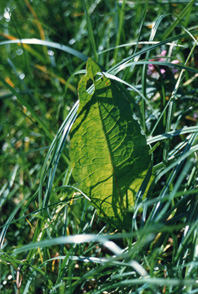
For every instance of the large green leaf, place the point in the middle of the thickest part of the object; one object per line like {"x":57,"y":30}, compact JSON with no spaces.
{"x":108,"y":151}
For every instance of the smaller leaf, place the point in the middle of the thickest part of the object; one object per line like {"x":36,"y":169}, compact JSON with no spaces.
{"x":108,"y":151}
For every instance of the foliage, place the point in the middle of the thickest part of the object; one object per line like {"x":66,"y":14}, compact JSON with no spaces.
{"x":109,"y":153}
{"x":52,"y":238}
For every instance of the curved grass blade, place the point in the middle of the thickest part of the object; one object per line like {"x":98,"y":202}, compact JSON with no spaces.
{"x":48,"y":44}
{"x":122,"y":64}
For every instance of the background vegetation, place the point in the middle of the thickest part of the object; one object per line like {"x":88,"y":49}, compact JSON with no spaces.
{"x":78,"y":252}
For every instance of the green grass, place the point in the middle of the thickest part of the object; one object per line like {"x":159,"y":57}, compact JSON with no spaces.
{"x":52,"y":240}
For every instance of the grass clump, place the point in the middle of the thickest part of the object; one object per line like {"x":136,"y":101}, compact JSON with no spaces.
{"x":52,"y":240}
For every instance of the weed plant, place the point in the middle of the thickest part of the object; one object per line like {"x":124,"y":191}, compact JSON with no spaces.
{"x":52,"y":240}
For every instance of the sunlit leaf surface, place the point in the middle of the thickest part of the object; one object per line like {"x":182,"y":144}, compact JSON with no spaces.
{"x":108,"y":150}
